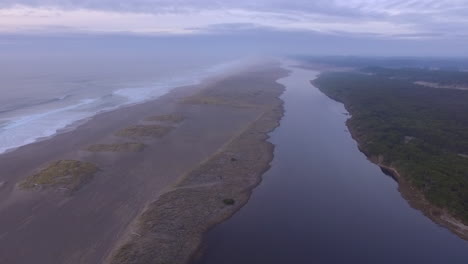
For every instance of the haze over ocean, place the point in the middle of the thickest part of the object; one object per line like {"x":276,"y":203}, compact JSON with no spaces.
{"x":47,"y":89}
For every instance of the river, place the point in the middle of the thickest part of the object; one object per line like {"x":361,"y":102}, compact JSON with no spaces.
{"x":323,"y":202}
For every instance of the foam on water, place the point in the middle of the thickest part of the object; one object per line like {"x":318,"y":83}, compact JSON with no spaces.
{"x":31,"y":126}
{"x":142,"y":94}
{"x":28,"y":129}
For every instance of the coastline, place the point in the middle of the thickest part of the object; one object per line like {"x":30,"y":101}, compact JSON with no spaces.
{"x":211,"y":193}
{"x":413,"y":196}
{"x":322,"y":183}
{"x":417,"y":201}
{"x":137,"y":167}
{"x":206,"y":77}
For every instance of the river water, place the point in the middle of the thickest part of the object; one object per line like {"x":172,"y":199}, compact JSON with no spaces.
{"x":322,"y":201}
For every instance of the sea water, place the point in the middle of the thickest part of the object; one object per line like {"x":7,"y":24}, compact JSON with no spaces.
{"x":44,"y":93}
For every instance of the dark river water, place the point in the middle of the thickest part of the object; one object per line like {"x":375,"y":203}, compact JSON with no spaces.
{"x":324,"y":202}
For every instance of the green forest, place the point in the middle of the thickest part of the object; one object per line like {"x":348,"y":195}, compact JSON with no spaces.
{"x":420,"y":131}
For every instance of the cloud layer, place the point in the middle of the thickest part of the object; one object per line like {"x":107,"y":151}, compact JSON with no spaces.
{"x":412,"y":19}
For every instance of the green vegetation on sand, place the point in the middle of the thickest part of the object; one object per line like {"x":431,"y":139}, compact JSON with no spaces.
{"x":70,"y":175}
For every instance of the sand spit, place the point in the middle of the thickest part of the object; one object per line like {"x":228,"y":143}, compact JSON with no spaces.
{"x":170,"y":230}
{"x":93,"y":223}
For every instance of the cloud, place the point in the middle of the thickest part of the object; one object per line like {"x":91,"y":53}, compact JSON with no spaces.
{"x":25,"y":18}
{"x":380,"y":18}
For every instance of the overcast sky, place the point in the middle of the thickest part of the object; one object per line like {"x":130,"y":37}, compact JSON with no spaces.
{"x":442,"y":23}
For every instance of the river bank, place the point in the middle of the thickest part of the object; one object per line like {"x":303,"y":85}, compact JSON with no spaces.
{"x":170,"y":229}
{"x":322,"y":201}
{"x":411,"y":194}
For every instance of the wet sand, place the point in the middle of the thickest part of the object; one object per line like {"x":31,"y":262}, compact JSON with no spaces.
{"x":48,"y":225}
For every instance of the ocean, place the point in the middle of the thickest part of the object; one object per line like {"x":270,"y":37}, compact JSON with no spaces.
{"x":44,"y":91}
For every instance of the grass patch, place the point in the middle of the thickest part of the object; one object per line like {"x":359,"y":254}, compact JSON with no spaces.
{"x":68,"y":174}
{"x":229,"y":201}
{"x":144,"y":131}
{"x":216,"y":100}
{"x":123,"y":147}
{"x":171,"y":118}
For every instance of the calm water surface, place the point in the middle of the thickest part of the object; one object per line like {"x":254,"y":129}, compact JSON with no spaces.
{"x":324,"y":202}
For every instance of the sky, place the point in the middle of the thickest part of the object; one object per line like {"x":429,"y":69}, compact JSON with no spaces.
{"x":373,"y":27}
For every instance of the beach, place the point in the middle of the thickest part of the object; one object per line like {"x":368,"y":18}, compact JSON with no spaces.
{"x":139,"y":158}
{"x":255,"y":160}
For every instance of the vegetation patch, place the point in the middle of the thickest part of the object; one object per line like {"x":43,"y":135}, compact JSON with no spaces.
{"x":155,"y":131}
{"x":121,"y":147}
{"x":418,"y":131}
{"x":229,"y":201}
{"x":70,"y":175}
{"x":170,"y":118}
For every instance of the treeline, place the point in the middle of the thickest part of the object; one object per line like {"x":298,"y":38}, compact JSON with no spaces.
{"x":442,"y":77}
{"x":450,"y":64}
{"x":422,"y":132}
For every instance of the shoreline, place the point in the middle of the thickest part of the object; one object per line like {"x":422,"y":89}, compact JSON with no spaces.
{"x":204,"y":81}
{"x":142,"y":152}
{"x":206,"y":196}
{"x":417,"y":201}
{"x":413,"y":196}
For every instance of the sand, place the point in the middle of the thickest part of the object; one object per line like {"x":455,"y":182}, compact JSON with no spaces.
{"x":171,"y":228}
{"x":216,"y":153}
{"x":168,"y":118}
{"x":117,"y":147}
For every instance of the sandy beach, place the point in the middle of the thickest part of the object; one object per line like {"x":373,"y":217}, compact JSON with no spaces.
{"x":155,"y":163}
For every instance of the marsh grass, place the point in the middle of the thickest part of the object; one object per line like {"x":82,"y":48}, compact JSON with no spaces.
{"x":68,"y":174}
